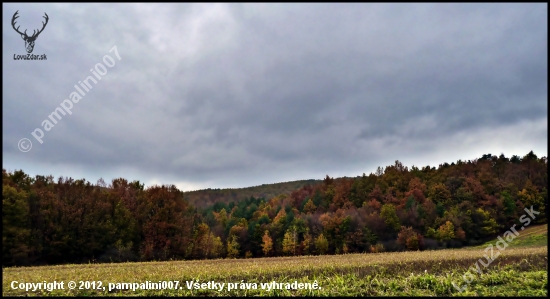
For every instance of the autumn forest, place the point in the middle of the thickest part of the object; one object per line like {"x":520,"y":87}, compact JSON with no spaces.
{"x":47,"y":222}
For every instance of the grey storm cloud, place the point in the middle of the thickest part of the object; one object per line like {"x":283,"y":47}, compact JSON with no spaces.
{"x":218,"y":95}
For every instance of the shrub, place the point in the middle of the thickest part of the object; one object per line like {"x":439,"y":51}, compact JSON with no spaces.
{"x":377,"y":248}
{"x":410,"y":239}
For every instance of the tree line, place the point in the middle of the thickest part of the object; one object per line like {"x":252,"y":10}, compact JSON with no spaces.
{"x":395,"y":208}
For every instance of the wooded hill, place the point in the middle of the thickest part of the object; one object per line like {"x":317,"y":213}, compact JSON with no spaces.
{"x":395,"y":208}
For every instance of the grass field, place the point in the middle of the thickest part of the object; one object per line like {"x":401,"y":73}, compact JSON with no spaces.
{"x":518,"y":271}
{"x":535,"y":235}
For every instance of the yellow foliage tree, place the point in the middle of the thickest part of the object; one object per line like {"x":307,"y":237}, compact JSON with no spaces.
{"x":281,"y":216}
{"x":221,"y":217}
{"x":306,"y":243}
{"x":446,"y":231}
{"x":531,"y":197}
{"x":217,"y":246}
{"x":232,"y":247}
{"x":267,"y":244}
{"x":309,"y":207}
{"x":321,"y":243}
{"x":289,"y":241}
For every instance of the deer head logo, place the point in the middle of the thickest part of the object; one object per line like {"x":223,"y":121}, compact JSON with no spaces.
{"x":29,"y":40}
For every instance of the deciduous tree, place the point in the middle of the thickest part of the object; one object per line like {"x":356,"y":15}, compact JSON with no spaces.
{"x":321,"y":244}
{"x":267,"y":245}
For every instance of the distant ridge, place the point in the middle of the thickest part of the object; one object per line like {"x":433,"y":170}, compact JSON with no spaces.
{"x":207,"y":197}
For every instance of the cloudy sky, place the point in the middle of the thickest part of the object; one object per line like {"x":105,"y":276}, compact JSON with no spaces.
{"x":237,"y":95}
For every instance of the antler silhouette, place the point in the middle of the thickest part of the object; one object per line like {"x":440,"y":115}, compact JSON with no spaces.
{"x":34,"y":33}
{"x":43,"y":25}
{"x":15,"y":16}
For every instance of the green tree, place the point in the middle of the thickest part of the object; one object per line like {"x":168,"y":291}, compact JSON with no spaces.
{"x":16,"y":225}
{"x":370,"y":237}
{"x":440,"y":194}
{"x":410,"y":203}
{"x":390,"y":216}
{"x":508,"y":203}
{"x":488,"y":225}
{"x":413,"y":243}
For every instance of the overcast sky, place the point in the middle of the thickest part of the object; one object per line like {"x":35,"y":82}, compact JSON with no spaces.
{"x":237,"y":95}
